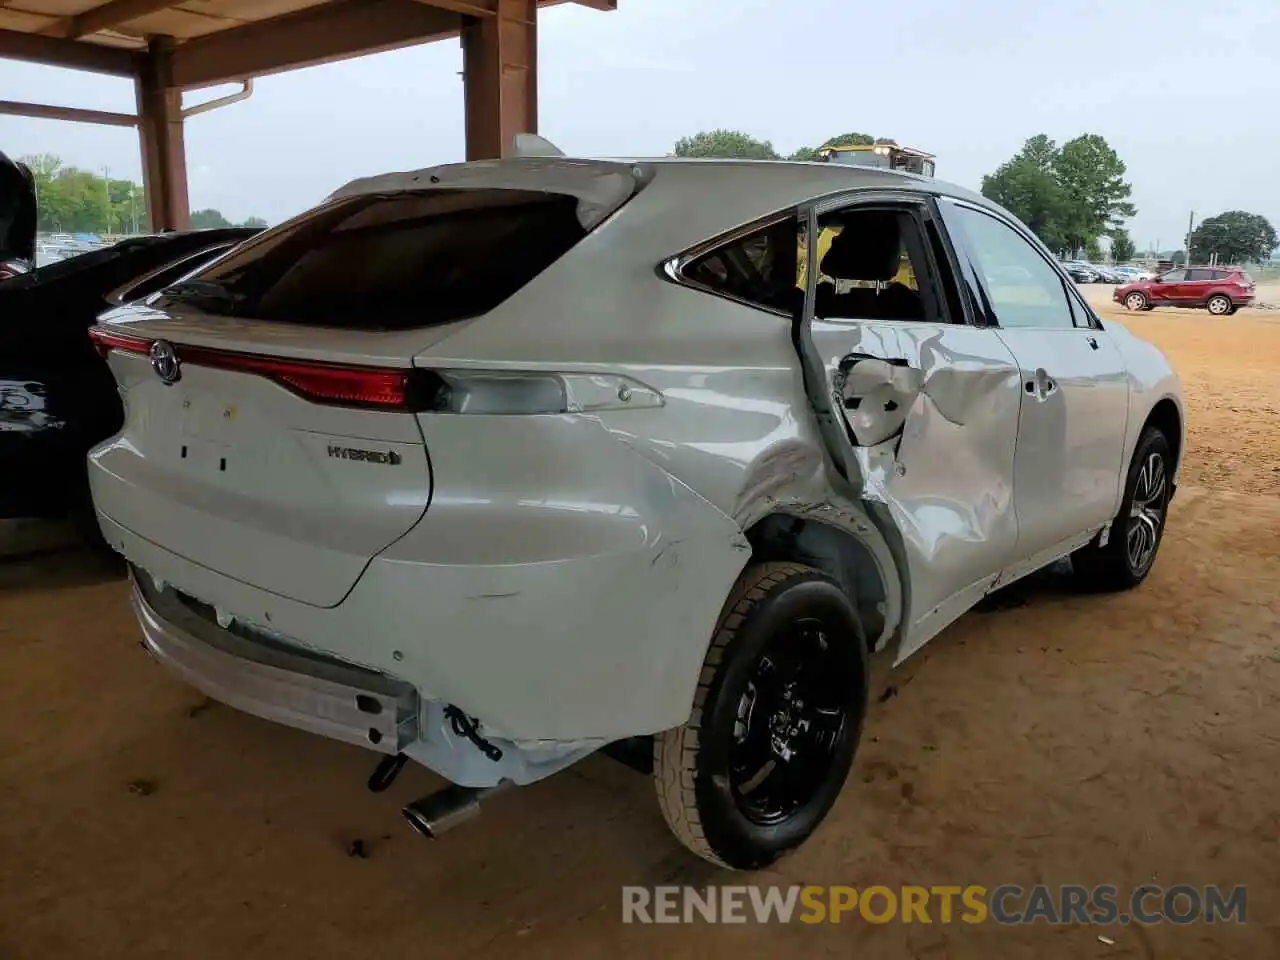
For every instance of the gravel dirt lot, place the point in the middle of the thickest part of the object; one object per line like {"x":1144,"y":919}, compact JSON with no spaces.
{"x":1059,"y":739}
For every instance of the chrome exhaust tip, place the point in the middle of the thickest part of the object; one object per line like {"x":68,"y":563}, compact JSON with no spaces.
{"x":440,"y":812}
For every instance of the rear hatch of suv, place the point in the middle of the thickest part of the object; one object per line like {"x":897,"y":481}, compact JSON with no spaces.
{"x":269,"y":432}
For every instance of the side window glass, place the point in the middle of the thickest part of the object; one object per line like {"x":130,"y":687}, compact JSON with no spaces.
{"x":1173,"y":276}
{"x":869,"y":266}
{"x":1199,"y":275}
{"x":1024,"y":290}
{"x":760,"y":268}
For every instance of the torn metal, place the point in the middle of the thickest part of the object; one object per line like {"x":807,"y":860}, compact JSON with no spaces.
{"x":923,"y":421}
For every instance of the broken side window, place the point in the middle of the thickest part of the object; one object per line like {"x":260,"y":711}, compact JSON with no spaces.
{"x":758,"y":268}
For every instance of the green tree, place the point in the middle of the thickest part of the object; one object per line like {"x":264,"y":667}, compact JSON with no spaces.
{"x":805,"y":153}
{"x":1235,"y":237}
{"x":852,"y":140}
{"x":1069,"y":195}
{"x":1041,"y":151}
{"x":208,"y":219}
{"x":839,"y":140}
{"x":73,"y":200}
{"x":1122,"y":246}
{"x":1091,"y":175}
{"x":254,"y":222}
{"x":731,"y":144}
{"x":1030,"y":191}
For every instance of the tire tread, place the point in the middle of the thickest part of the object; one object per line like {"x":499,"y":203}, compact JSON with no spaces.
{"x":675,"y":752}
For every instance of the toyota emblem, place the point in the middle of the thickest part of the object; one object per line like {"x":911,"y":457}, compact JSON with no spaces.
{"x":165,"y":362}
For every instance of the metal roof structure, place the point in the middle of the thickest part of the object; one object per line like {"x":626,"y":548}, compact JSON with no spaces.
{"x":168,"y":46}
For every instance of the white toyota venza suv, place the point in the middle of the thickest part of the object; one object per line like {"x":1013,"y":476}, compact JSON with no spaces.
{"x":494,"y":464}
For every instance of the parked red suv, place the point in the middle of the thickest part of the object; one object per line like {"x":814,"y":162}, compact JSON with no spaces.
{"x":1220,"y":290}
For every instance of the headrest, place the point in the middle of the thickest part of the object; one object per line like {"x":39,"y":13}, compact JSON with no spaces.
{"x":868,"y":248}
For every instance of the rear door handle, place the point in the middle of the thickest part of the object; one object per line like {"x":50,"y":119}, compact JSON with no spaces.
{"x":1092,"y":341}
{"x":1041,"y":386}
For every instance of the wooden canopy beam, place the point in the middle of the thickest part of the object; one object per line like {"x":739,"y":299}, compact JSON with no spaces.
{"x":45,"y":111}
{"x":500,"y":74}
{"x":108,"y":15}
{"x":160,"y":130}
{"x":334,"y":31}
{"x":470,"y":8}
{"x":59,"y":52}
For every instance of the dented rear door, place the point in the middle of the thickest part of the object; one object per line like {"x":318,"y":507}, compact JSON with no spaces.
{"x":920,"y":412}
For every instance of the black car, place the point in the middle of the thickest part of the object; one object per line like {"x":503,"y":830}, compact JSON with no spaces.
{"x":57,"y":397}
{"x":17,"y":218}
{"x":1081,"y":272}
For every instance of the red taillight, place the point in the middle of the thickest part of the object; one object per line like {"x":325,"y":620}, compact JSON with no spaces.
{"x":104,"y":341}
{"x":377,"y":387}
{"x":323,"y":382}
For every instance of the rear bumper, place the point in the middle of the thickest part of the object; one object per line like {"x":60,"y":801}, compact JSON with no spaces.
{"x":561,"y":610}
{"x":320,"y":696}
{"x":553,"y":658}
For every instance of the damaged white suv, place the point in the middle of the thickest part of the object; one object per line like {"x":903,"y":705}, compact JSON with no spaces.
{"x":494,"y":464}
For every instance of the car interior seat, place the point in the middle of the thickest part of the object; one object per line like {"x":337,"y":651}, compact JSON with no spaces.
{"x":868,"y":249}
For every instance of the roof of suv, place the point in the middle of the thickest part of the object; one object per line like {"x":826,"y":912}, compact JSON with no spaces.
{"x":710,"y":195}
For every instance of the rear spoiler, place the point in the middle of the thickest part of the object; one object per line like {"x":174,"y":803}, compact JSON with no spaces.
{"x":600,"y":186}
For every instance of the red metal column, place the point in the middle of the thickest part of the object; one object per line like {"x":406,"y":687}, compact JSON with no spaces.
{"x":160,"y":128}
{"x":500,"y":73}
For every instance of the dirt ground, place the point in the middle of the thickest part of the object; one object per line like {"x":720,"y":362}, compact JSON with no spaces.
{"x":1122,"y":740}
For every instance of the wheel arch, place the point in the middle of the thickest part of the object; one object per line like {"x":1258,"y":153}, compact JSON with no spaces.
{"x":1167,"y":418}
{"x":842,"y":555}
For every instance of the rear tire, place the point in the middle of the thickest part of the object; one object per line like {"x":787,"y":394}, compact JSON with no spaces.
{"x":1136,"y":301}
{"x":1219,"y":305}
{"x":775,"y":723}
{"x":1138,"y":529}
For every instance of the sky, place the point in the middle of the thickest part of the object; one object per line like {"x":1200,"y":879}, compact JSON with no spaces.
{"x":1187,"y":92}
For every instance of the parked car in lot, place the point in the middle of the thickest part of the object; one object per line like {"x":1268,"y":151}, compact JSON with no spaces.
{"x":17,"y":218}
{"x":57,"y":397}
{"x":1220,"y":290}
{"x":1128,"y":274}
{"x":493,"y":464}
{"x":1081,"y":272}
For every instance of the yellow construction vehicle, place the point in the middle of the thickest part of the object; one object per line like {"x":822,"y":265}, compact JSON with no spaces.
{"x":886,"y":156}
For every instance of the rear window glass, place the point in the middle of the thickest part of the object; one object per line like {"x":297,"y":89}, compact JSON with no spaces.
{"x":392,"y":262}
